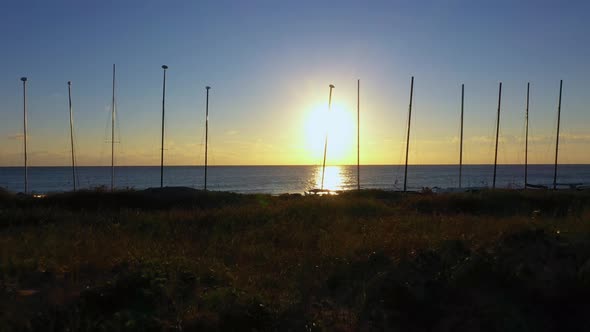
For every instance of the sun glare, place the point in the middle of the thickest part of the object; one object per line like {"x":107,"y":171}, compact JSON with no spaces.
{"x":339,"y":125}
{"x":333,"y":178}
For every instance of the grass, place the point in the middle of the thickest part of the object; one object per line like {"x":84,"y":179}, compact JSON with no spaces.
{"x":188,"y":260}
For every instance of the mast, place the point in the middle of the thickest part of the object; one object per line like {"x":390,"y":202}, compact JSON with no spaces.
{"x":461,"y":139}
{"x":163,"y":112}
{"x":408,"y":137}
{"x":24,"y":80}
{"x":113,"y":113}
{"x":206,"y":132}
{"x":497,"y":135}
{"x":526,"y":139}
{"x":326,"y":141}
{"x":557,"y":138}
{"x":358,"y":134}
{"x":72,"y":134}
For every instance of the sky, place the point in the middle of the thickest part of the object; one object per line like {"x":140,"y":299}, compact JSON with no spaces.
{"x":270,"y":64}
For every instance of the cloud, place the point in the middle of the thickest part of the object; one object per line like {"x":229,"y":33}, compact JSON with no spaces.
{"x":541,"y":139}
{"x":481,"y":139}
{"x":566,"y":137}
{"x":231,"y":132}
{"x":577,"y":138}
{"x":18,"y":137}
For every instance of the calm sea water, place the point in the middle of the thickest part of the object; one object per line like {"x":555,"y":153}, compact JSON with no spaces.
{"x":288,"y":179}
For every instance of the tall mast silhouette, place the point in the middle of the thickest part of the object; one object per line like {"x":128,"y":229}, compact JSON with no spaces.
{"x":526,"y":138}
{"x":206,"y":132}
{"x":408,"y":137}
{"x":113,"y":115}
{"x":24,"y":80}
{"x":461,"y":138}
{"x":557,"y":138}
{"x":163,"y":112}
{"x":497,"y":136}
{"x":72,"y":134}
{"x":326,"y":141}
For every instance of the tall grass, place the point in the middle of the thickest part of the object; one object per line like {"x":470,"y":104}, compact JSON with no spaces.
{"x":145,"y":260}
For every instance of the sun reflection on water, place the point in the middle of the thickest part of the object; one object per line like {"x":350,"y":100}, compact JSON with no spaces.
{"x":333,"y":178}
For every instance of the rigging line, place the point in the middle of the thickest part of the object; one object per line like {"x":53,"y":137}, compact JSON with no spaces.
{"x":107,"y":127}
{"x":118,"y":137}
{"x":397,"y":169}
{"x":75,"y":157}
{"x":549,"y":145}
{"x":201,"y":150}
{"x":521,"y":139}
{"x":491,"y":132}
{"x":116,"y":140}
{"x":212,"y":157}
{"x":416,"y":153}
{"x":73,"y":152}
{"x":106,"y":137}
{"x":76,"y":163}
{"x":550,"y":151}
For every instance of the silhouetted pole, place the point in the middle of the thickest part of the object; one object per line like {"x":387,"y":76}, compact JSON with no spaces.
{"x":206,"y":132}
{"x":408,"y":137}
{"x":557,"y":139}
{"x":461,"y":139}
{"x":113,"y":114}
{"x":358,"y":134}
{"x":163,"y":113}
{"x":72,"y":134}
{"x":497,"y":136}
{"x":24,"y":79}
{"x":326,"y":141}
{"x":526,"y":139}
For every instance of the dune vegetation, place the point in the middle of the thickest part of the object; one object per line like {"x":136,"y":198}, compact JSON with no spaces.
{"x":177,"y":259}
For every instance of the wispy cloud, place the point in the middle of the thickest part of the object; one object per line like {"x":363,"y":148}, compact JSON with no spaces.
{"x":578,"y":138}
{"x":231,"y":132}
{"x":18,"y":137}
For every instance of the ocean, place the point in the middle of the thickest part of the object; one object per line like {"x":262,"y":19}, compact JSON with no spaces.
{"x":288,"y":179}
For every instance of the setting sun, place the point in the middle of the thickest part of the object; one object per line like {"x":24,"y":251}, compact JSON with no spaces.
{"x":339,"y":125}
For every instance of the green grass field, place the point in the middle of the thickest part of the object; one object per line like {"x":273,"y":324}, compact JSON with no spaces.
{"x":185,"y":260}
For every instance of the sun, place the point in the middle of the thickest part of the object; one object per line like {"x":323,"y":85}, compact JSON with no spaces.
{"x":339,"y":126}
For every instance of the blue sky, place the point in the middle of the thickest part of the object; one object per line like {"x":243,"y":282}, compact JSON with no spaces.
{"x":270,"y":62}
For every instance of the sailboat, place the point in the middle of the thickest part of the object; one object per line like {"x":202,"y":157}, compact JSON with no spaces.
{"x":72,"y":135}
{"x":528,"y":185}
{"x":321,"y":190}
{"x":555,"y":183}
{"x":497,"y":135}
{"x":557,"y":136}
{"x":164,"y":67}
{"x":408,"y":137}
{"x":206,"y":134}
{"x":24,"y":80}
{"x":113,"y":113}
{"x":460,"y":188}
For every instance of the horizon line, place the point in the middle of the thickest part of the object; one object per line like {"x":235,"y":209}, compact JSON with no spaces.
{"x":303,"y":165}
